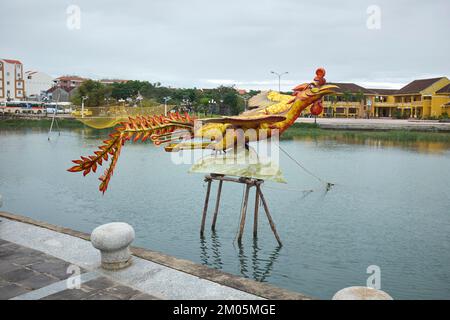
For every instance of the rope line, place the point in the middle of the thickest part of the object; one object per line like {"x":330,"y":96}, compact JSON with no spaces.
{"x":290,"y":189}
{"x":328,"y":185}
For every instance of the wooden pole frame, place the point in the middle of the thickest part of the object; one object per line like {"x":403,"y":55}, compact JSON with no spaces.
{"x":216,"y":210}
{"x":249,"y":182}
{"x":205,"y":207}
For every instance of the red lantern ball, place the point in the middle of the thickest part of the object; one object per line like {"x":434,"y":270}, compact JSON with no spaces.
{"x":317,"y":108}
{"x":320,"y":72}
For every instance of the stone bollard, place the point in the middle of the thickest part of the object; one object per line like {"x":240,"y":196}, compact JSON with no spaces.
{"x":113,"y":241}
{"x":361,"y":293}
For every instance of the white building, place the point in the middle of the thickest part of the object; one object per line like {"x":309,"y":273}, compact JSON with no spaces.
{"x":37,"y":82}
{"x":12,"y":85}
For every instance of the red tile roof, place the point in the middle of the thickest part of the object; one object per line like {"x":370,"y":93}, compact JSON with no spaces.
{"x":417,"y":85}
{"x":12,"y":61}
{"x":384,"y":92}
{"x":445,"y":89}
{"x":351,"y":87}
{"x":71,"y":78}
{"x":52,"y":89}
{"x":113,"y":81}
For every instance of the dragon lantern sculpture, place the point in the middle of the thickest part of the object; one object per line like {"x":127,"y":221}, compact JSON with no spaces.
{"x":169,"y":129}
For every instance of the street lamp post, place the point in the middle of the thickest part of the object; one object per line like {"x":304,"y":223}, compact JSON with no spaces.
{"x":82,"y":105}
{"x":246,"y":98}
{"x":165,"y":104}
{"x":279,"y":78}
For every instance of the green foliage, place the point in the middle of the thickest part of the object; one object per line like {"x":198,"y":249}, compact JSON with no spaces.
{"x":359,"y":96}
{"x":310,"y":130}
{"x":230,"y":99}
{"x":192,"y":99}
{"x":333,"y":98}
{"x":204,"y":101}
{"x":347,"y":96}
{"x":96,"y":92}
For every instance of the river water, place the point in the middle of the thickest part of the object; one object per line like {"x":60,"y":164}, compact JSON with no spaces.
{"x":390,"y":208}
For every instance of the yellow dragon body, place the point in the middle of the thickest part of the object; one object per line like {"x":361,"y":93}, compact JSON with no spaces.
{"x":218,"y":134}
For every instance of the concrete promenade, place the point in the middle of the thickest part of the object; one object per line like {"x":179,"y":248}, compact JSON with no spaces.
{"x":35,"y":258}
{"x":378,"y":124}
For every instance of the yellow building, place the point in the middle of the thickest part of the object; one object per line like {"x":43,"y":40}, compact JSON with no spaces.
{"x":418,"y":99}
{"x":424,"y":98}
{"x":350,"y":101}
{"x":440,"y":101}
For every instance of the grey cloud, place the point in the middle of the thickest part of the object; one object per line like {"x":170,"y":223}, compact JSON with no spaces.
{"x":193,"y":43}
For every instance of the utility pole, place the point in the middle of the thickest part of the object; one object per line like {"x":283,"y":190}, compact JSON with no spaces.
{"x":279,"y":78}
{"x":82,"y":105}
{"x":165,"y":105}
{"x":246,"y":98}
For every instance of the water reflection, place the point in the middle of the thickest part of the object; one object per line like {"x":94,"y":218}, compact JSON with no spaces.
{"x":261,"y":265}
{"x":257,"y":264}
{"x":214,"y":259}
{"x":420,"y":146}
{"x":428,"y":147}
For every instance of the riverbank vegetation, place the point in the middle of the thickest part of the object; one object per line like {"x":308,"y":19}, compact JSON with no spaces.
{"x":311,"y":130}
{"x":220,"y":100}
{"x":297,"y":131}
{"x":39,"y":123}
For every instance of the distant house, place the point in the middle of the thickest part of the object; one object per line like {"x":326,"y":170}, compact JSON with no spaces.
{"x":350,"y":100}
{"x":60,"y":94}
{"x":68,"y":82}
{"x":421,"y":98}
{"x":441,"y":100}
{"x":37,"y":82}
{"x":12,"y":85}
{"x":418,"y":98}
{"x":64,"y":88}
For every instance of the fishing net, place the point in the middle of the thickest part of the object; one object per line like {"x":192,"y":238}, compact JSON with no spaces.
{"x":243,"y":163}
{"x":109,"y":116}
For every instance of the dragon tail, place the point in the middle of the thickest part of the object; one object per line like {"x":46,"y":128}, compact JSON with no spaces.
{"x":159,"y":129}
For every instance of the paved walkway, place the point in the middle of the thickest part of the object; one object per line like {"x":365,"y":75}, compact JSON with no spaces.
{"x":27,"y":274}
{"x":378,"y":124}
{"x":34,"y":262}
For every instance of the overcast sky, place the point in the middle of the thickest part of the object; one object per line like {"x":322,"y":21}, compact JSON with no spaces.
{"x":205,"y":43}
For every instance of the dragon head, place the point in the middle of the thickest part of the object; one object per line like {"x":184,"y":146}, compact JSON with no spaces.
{"x":311,"y":93}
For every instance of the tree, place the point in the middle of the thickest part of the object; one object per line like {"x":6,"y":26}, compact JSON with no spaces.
{"x":347,"y":96}
{"x":231,"y":100}
{"x":96,"y":92}
{"x":359,"y":96}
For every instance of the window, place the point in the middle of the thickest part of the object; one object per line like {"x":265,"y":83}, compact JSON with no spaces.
{"x":7,"y":83}
{"x":352,"y":110}
{"x":340,"y":110}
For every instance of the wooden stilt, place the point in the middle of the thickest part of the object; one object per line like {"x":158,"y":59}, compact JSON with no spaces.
{"x":205,"y":208}
{"x":255,"y":218}
{"x":249,"y":182}
{"x":244,"y":212}
{"x":266,"y":209}
{"x":219,"y":191}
